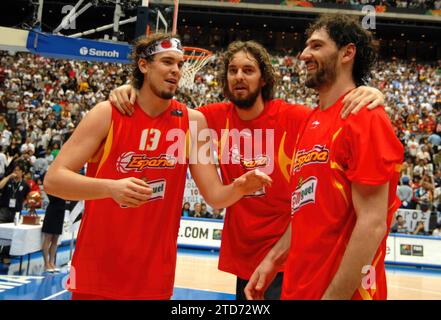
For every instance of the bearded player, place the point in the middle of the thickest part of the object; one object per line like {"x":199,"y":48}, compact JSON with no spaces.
{"x":344,"y":178}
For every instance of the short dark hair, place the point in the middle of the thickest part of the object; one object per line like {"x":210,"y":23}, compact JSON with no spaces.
{"x":20,"y":166}
{"x":137,"y":77}
{"x":343,"y":30}
{"x":263,"y":59}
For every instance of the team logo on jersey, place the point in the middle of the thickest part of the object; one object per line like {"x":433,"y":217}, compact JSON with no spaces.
{"x":304,"y":193}
{"x":318,"y":154}
{"x":261,"y":161}
{"x":249,"y":164}
{"x":315,"y":124}
{"x":129,"y":161}
{"x":177,"y":113}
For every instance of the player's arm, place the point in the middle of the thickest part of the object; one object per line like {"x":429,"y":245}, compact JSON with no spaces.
{"x":63,"y":179}
{"x":370,"y":204}
{"x":267,"y":270}
{"x":360,"y":97}
{"x":205,"y":174}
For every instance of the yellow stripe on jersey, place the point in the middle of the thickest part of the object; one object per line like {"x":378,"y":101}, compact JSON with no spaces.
{"x":107,"y":148}
{"x":340,"y":188}
{"x":398,"y":167}
{"x":335,"y":165}
{"x":187,"y":145}
{"x":365,"y":295}
{"x":336,"y":134}
{"x":284,"y":160}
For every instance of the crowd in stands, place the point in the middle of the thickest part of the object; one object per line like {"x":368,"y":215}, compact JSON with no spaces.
{"x":200,"y":210}
{"x":413,"y":4}
{"x":42,"y":100}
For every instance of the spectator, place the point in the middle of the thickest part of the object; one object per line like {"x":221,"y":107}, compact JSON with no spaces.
{"x":424,"y":193}
{"x":400,"y":225}
{"x":44,"y":196}
{"x":3,"y":163}
{"x":186,"y":209}
{"x":437,"y":157}
{"x":412,"y":146}
{"x":424,"y":154}
{"x":435,"y":139}
{"x":217,"y":214}
{"x":40,"y":167}
{"x":196,"y":213}
{"x":3,"y":123}
{"x":14,"y":149}
{"x":437,"y":178}
{"x":52,"y":229}
{"x":405,"y":193}
{"x":418,"y":170}
{"x":49,"y":156}
{"x":204,"y":212}
{"x":27,"y":146}
{"x":419,"y":229}
{"x":55,"y":150}
{"x":13,"y":196}
{"x":6,"y":136}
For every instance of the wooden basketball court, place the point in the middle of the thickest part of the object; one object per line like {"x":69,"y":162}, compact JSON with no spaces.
{"x":200,"y":272}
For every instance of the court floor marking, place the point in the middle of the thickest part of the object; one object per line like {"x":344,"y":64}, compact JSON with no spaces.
{"x":176,"y":287}
{"x":55,"y":295}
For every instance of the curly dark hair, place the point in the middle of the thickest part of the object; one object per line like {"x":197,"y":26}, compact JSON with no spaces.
{"x":137,"y":77}
{"x":344,"y":30}
{"x":263,"y":59}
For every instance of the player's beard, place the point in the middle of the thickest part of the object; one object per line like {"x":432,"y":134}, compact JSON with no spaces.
{"x":324,"y":74}
{"x":163,"y":94}
{"x":244,"y":103}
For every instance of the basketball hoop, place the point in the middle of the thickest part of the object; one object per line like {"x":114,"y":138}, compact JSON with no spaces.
{"x":195,"y":60}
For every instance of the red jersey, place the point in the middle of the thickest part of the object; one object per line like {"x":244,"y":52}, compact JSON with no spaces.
{"x":331,"y":153}
{"x":130,"y":253}
{"x":254,"y":224}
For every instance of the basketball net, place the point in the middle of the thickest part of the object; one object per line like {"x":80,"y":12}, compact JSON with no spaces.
{"x":195,"y":60}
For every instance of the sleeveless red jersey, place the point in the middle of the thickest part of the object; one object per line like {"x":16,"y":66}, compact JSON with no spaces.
{"x":332,"y":153}
{"x":130,"y":253}
{"x":254,"y":224}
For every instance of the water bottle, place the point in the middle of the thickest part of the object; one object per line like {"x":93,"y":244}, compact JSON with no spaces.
{"x":17,"y":218}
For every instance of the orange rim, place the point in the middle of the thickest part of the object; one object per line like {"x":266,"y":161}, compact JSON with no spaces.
{"x":206,"y":53}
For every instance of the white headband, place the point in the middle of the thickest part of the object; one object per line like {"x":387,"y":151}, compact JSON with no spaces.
{"x":164,"y":45}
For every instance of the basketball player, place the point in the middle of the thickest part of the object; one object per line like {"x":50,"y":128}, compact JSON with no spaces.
{"x":126,"y":245}
{"x":344,"y":178}
{"x":256,"y":228}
